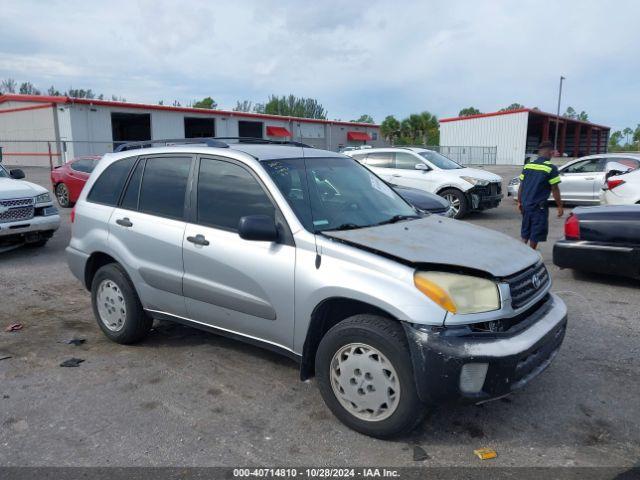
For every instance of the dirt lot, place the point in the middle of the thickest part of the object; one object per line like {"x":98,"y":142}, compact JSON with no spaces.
{"x":190,"y":398}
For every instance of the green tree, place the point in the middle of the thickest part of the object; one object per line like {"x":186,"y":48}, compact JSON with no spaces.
{"x":206,"y":102}
{"x":390,"y":129}
{"x":466,"y":112}
{"x":243,"y":106}
{"x":27,"y":88}
{"x":513,"y":106}
{"x":570,"y":113}
{"x":8,"y":85}
{"x":293,"y":106}
{"x":364,"y":119}
{"x":53,"y":91}
{"x":614,"y":140}
{"x":636,"y":135}
{"x":626,"y":132}
{"x":583,"y":116}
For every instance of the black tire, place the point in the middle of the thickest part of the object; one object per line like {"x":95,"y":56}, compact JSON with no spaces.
{"x":62,"y":196}
{"x":388,"y":338}
{"x":136,"y":323}
{"x":458,"y":199}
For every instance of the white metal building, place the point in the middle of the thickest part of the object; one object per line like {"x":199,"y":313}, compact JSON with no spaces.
{"x":31,"y":125}
{"x":517,"y":132}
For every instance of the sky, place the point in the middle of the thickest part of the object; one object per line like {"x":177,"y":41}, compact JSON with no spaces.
{"x":356,"y":57}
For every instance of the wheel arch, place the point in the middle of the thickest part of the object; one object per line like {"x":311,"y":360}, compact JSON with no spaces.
{"x":325,"y":315}
{"x":95,"y":261}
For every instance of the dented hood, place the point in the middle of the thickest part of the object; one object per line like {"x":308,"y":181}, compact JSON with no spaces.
{"x":438,"y":240}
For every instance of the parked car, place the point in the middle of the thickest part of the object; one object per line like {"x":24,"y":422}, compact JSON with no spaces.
{"x":621,"y":189}
{"x":27,"y":214}
{"x":467,"y":189}
{"x":424,"y":201}
{"x":583,"y":178}
{"x":306,"y":252}
{"x":69,"y":179}
{"x":604,"y":239}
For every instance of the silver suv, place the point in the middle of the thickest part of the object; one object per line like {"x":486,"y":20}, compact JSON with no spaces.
{"x":308,"y":253}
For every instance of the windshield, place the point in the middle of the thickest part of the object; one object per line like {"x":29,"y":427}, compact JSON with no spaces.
{"x":3,"y":172}
{"x":440,"y":160}
{"x":336,"y":193}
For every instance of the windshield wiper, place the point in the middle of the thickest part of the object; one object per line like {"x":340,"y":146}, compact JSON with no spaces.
{"x":344,"y":226}
{"x":397,"y":218}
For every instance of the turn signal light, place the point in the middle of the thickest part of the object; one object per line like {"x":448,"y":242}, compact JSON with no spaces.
{"x":572,"y":228}
{"x":613,"y":183}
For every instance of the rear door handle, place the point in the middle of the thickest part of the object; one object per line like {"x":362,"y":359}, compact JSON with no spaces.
{"x":590,"y":178}
{"x":125,"y":222}
{"x":198,"y":240}
{"x":396,"y":175}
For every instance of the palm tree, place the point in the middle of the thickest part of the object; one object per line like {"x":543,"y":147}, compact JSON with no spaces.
{"x":626,"y":132}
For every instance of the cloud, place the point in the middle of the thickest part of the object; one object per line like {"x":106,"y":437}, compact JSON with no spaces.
{"x":377,"y":57}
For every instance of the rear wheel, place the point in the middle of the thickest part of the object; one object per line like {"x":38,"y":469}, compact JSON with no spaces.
{"x":458,"y":201}
{"x":62,"y":195}
{"x":117,"y":307}
{"x":366,"y":378}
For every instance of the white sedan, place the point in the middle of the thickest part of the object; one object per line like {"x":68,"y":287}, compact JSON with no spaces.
{"x":584,"y":178}
{"x":622,"y":189}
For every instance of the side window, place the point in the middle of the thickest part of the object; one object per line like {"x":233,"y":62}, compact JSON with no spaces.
{"x":380,"y":160}
{"x":131,"y":194}
{"x":109,"y":185}
{"x":585,"y":166}
{"x":164,"y":185}
{"x":85,"y":165}
{"x":406,"y":161}
{"x":227,"y":192}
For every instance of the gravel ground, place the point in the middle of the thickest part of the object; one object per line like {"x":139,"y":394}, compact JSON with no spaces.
{"x":188,"y":398}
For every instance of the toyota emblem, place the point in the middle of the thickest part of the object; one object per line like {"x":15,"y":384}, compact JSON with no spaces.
{"x":535,"y":280}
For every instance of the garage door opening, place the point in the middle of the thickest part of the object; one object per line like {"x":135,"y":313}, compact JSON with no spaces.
{"x":130,"y":127}
{"x":199,"y":127}
{"x":250,"y":129}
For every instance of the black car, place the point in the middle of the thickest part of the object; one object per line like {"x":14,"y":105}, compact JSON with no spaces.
{"x":424,"y":201}
{"x":603,"y":239}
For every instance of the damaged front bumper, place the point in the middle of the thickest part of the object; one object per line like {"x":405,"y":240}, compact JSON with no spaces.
{"x":486,"y":196}
{"x":465,"y":365}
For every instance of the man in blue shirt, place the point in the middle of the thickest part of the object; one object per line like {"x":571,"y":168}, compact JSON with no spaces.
{"x":538,"y":180}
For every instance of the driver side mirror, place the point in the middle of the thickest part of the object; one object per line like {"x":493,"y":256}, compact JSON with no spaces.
{"x":422,"y":166}
{"x":16,"y":174}
{"x":260,"y":228}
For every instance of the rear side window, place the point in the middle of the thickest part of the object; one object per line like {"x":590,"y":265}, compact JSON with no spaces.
{"x":109,"y":185}
{"x":86,"y":165}
{"x":380,"y":160}
{"x":227,"y":192}
{"x":164,"y":185}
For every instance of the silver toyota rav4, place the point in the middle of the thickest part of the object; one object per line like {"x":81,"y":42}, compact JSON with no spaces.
{"x":308,"y":253}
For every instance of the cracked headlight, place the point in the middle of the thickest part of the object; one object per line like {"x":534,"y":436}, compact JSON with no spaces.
{"x":459,"y":293}
{"x":43,"y":198}
{"x":476,"y":181}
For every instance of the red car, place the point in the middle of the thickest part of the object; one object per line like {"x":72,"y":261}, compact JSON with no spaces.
{"x":68,"y":179}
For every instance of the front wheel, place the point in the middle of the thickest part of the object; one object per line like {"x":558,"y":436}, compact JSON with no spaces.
{"x":366,"y":378}
{"x":63,"y":196}
{"x":458,"y":201}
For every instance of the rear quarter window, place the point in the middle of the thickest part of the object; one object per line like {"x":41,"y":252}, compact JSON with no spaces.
{"x":108,"y":187}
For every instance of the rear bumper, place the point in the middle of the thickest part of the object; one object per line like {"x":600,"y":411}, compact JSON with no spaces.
{"x":512,"y":360}
{"x":597,"y":257}
{"x":77,"y":262}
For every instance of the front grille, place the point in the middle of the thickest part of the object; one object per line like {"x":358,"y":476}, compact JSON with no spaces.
{"x":523,"y":287}
{"x":16,"y":210}
{"x":490,"y":190}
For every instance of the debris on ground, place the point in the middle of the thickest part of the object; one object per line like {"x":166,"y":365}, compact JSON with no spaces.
{"x":72,"y":362}
{"x":5,"y":358}
{"x":14,"y":327}
{"x":419,"y":454}
{"x":485,"y":453}
{"x":74,"y":341}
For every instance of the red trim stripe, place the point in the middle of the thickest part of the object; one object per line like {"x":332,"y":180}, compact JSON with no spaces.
{"x":28,"y":154}
{"x":23,"y":109}
{"x":521,"y":110}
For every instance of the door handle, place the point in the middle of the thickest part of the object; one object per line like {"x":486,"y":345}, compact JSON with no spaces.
{"x":198,"y":240}
{"x":396,"y":175}
{"x":125,"y":222}
{"x":590,"y":178}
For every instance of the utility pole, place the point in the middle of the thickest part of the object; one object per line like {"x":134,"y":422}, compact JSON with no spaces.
{"x":555,"y":137}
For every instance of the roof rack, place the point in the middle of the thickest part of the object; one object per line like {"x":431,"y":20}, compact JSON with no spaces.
{"x":265,"y":141}
{"x":209,"y":142}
